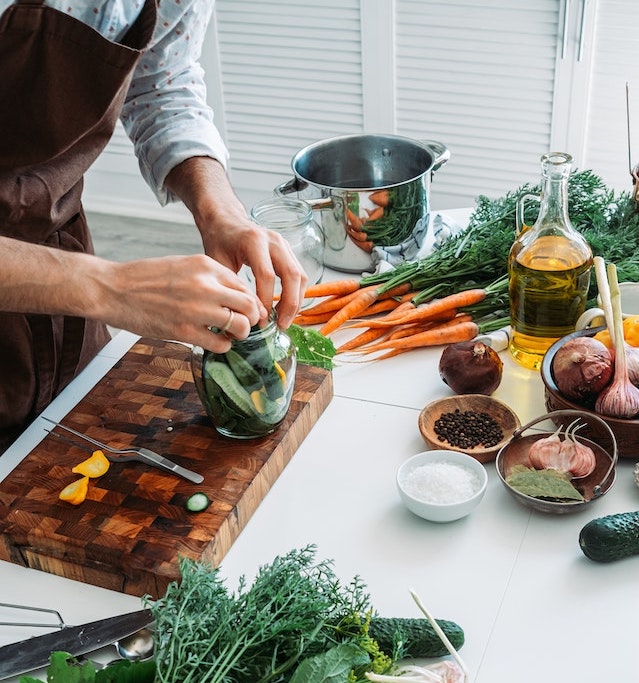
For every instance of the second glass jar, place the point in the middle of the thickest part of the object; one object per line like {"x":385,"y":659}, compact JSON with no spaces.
{"x":293,"y":219}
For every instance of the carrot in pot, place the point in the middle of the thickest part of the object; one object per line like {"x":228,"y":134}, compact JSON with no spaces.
{"x":357,"y":235}
{"x":353,"y":221}
{"x":375,"y":214}
{"x":380,"y":197}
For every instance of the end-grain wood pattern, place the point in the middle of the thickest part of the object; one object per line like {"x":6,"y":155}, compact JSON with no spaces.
{"x":128,"y":534}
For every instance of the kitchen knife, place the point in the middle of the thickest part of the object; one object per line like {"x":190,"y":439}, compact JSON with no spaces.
{"x":33,"y":653}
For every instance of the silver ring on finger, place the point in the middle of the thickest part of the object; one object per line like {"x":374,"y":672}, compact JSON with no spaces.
{"x":229,"y":321}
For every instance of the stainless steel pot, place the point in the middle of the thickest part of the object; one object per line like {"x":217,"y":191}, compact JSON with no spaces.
{"x":372,"y":190}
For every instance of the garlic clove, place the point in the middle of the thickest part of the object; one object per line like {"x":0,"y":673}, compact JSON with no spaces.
{"x":563,"y":455}
{"x":582,"y":458}
{"x":544,"y":451}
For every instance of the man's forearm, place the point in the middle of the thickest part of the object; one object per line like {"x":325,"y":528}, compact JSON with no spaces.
{"x":40,"y":279}
{"x":202,"y":184}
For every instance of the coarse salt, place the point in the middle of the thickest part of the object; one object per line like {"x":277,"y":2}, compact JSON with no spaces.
{"x":442,"y":482}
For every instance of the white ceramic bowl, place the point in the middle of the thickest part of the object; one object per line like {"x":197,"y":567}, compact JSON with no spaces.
{"x":426,"y":490}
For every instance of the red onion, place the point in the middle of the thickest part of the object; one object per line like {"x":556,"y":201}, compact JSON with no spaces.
{"x":582,"y":368}
{"x":471,"y":367}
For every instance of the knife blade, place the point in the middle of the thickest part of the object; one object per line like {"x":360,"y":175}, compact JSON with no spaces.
{"x":33,"y":653}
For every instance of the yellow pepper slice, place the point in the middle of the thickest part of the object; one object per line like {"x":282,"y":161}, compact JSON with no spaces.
{"x":257,"y":397}
{"x":631,"y":330}
{"x":76,"y":492}
{"x":604,"y":337}
{"x":93,"y":467}
{"x":280,"y":371}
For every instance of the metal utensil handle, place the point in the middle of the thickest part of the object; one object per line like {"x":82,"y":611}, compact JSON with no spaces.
{"x":441,"y":153}
{"x":297,"y":185}
{"x":158,"y":460}
{"x":40,"y":610}
{"x":95,"y":442}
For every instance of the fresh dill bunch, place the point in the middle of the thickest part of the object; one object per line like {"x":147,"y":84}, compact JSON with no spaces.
{"x":259,"y":633}
{"x":608,"y":221}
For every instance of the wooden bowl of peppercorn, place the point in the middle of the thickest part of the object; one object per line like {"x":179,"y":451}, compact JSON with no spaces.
{"x":475,"y":424}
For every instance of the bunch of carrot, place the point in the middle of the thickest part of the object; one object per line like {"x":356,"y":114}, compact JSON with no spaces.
{"x":395,"y":317}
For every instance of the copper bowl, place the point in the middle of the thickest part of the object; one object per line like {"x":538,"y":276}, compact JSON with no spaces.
{"x":591,"y":487}
{"x":479,"y":403}
{"x":626,"y":431}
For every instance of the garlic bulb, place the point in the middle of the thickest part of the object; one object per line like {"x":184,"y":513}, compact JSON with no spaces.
{"x":621,"y":397}
{"x":632,"y":363}
{"x":563,"y":455}
{"x":545,"y":451}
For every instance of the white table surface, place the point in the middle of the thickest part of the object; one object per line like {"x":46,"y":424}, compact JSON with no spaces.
{"x":532,"y":606}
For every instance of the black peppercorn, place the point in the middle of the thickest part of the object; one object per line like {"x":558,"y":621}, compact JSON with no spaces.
{"x":468,"y":429}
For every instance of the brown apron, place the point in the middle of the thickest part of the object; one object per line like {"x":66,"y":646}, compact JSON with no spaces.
{"x":61,"y":92}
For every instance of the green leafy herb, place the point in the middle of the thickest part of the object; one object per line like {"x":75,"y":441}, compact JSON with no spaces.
{"x":295,"y":623}
{"x":608,"y":221}
{"x":313,"y":348}
{"x":405,"y":208}
{"x":547,"y":484}
{"x":64,"y":668}
{"x":333,"y":666}
{"x":258,"y":634}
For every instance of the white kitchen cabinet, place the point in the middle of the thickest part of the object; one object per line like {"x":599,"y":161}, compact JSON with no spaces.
{"x":500,"y":83}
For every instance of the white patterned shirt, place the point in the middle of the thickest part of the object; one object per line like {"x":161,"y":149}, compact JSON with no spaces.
{"x":165,"y":113}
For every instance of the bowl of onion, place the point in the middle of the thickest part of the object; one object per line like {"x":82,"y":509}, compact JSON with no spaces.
{"x":597,"y":371}
{"x":441,"y":485}
{"x":575,"y":371}
{"x":552,"y":464}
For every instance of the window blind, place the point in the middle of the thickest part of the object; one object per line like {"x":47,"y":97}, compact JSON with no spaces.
{"x":615,"y":63}
{"x":291,"y":74}
{"x":479,"y":77}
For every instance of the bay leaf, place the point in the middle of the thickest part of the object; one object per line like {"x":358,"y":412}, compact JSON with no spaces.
{"x":547,"y":484}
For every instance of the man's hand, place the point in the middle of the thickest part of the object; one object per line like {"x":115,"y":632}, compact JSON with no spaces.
{"x":231,"y":238}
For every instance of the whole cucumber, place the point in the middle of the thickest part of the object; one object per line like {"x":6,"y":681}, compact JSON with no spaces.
{"x":610,"y":538}
{"x":417,"y":636}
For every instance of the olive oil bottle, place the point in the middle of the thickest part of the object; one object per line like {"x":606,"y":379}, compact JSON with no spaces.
{"x":549,"y":268}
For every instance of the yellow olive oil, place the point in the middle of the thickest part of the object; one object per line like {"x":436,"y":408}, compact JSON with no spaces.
{"x":548,"y":267}
{"x":548,"y":290}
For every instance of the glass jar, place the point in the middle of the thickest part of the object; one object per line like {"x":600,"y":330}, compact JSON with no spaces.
{"x":247,"y":391}
{"x":293,"y":219}
{"x":549,"y":268}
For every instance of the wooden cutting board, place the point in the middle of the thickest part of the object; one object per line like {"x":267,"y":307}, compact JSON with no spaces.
{"x":128,"y":534}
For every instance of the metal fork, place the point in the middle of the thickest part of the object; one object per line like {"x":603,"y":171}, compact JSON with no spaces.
{"x":124,"y":454}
